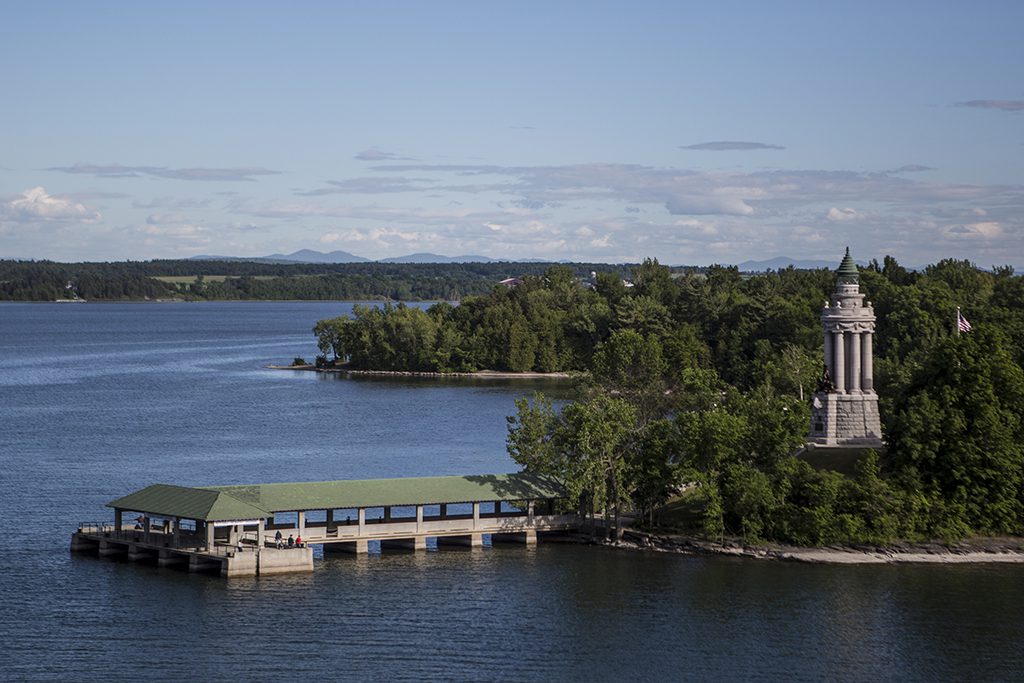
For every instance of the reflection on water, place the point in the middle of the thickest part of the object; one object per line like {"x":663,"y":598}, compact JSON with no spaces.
{"x":100,"y":400}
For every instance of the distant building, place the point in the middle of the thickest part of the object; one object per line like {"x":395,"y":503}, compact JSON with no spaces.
{"x":844,"y":411}
{"x":511,"y":282}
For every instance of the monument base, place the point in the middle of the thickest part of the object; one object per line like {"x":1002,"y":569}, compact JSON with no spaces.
{"x":842,"y":419}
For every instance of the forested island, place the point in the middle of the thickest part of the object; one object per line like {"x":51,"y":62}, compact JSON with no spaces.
{"x":234,"y":280}
{"x":695,"y":388}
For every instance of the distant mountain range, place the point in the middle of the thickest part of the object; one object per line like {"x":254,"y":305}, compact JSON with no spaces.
{"x":436,"y":258}
{"x":311,"y":256}
{"x":780,"y":262}
{"x":300,"y":256}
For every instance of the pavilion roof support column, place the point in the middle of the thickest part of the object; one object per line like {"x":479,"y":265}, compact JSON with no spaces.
{"x":261,"y":527}
{"x":176,"y":526}
{"x":362,"y":521}
{"x":209,"y":536}
{"x":117,"y":519}
{"x":301,"y":523}
{"x":330,"y":519}
{"x":419,"y":519}
{"x":476,"y":515}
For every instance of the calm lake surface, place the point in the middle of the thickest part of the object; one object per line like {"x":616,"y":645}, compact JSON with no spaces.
{"x":97,"y":400}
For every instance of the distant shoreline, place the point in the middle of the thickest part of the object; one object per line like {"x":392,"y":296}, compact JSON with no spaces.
{"x":482,"y":374}
{"x":216,"y":301}
{"x":1003,"y":550}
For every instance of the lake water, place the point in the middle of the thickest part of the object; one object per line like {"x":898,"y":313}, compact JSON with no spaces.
{"x":100,"y":400}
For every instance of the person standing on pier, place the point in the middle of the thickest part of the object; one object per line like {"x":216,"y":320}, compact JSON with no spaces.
{"x":277,"y":539}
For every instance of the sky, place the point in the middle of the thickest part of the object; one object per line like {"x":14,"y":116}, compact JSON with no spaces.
{"x":694,"y":133}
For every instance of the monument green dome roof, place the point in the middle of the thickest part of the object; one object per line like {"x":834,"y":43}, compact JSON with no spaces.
{"x":847,"y":268}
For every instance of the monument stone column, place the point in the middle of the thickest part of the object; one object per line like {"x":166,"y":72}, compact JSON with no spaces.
{"x":840,"y":377}
{"x":868,"y":383}
{"x":845,"y":413}
{"x":855,"y":362}
{"x":829,"y":359}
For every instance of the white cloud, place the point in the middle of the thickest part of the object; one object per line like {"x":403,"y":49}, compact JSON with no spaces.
{"x":35,"y":205}
{"x":983,"y":229}
{"x":842,"y":215}
{"x":165,"y":218}
{"x":698,"y":205}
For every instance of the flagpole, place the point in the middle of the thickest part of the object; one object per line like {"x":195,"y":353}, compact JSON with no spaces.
{"x":957,"y":321}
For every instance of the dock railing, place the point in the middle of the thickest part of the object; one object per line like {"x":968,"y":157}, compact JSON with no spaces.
{"x":157,"y":536}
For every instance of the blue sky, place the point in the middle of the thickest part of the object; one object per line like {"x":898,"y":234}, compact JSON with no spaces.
{"x":566,"y":130}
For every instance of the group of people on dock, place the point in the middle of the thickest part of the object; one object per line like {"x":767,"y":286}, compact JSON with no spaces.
{"x":279,"y":541}
{"x":292,"y":542}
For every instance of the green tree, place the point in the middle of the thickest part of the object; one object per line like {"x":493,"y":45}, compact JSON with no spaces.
{"x":957,"y":434}
{"x":630,"y":362}
{"x":332,"y":336}
{"x":532,"y":436}
{"x":600,"y":435}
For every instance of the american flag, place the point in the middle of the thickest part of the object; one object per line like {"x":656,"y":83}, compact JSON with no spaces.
{"x":961,"y":322}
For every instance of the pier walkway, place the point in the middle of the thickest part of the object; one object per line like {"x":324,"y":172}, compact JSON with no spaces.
{"x":234,"y":529}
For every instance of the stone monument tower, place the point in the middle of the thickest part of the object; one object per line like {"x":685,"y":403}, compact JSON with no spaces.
{"x":844,"y":411}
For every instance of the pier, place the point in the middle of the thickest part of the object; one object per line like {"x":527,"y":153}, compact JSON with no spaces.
{"x":241,"y":530}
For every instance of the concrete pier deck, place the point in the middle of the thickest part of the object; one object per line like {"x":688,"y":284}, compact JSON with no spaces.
{"x":245,"y":530}
{"x":161,"y":550}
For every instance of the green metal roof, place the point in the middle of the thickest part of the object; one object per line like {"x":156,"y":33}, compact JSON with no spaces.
{"x":847,"y":268}
{"x":224,"y":503}
{"x":168,"y":500}
{"x":356,"y":493}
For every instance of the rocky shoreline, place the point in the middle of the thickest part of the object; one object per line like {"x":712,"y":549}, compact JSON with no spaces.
{"x":977,"y":550}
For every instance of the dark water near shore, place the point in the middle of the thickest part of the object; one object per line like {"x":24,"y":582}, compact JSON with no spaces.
{"x":98,"y":400}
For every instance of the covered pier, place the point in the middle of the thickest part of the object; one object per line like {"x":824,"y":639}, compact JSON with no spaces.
{"x":235,"y":529}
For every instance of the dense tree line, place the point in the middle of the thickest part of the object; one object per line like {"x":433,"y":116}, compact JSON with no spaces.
{"x":703,"y":381}
{"x":256,"y":280}
{"x":547,"y":323}
{"x":630,"y":331}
